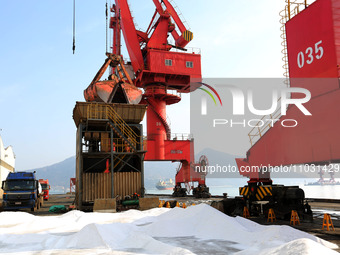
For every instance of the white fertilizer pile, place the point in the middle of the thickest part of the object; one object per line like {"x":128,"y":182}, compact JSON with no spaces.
{"x":196,"y":230}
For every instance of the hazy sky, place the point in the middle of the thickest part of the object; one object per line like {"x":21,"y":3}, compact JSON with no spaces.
{"x":41,"y":79}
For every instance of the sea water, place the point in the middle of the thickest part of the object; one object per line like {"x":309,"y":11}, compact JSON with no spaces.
{"x":231,"y":187}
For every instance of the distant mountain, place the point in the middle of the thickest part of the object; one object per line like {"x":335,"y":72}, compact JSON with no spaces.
{"x":58,"y":174}
{"x":223,"y":163}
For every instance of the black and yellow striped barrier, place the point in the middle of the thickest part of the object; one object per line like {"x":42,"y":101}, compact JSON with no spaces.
{"x":244,"y":191}
{"x":263,"y":191}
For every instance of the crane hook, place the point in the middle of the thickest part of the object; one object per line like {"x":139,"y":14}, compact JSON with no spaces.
{"x":74,"y":26}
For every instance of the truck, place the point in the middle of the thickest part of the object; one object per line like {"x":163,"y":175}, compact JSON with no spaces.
{"x":22,"y":191}
{"x":45,"y":188}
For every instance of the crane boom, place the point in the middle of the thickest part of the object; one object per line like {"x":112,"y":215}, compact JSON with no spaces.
{"x":130,"y":35}
{"x":187,"y":36}
{"x":150,"y":53}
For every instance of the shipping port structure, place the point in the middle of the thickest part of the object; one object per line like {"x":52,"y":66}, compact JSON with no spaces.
{"x":156,"y":75}
{"x":111,"y":148}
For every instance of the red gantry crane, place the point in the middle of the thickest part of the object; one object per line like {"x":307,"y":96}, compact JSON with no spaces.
{"x":163,"y":71}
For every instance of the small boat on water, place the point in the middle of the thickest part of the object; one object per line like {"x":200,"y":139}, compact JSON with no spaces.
{"x":165,"y":184}
{"x":323,"y":182}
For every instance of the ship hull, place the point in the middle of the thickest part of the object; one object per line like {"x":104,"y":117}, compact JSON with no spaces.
{"x":164,"y":188}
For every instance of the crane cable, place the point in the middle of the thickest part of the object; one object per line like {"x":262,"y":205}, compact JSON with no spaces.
{"x":74,"y":26}
{"x":106,"y":14}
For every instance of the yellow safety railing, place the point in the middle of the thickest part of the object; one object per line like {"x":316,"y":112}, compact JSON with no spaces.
{"x":292,"y":8}
{"x":97,"y":111}
{"x":104,"y":145}
{"x":124,"y":128}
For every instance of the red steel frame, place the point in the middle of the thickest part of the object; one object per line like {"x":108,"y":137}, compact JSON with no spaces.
{"x":149,"y":51}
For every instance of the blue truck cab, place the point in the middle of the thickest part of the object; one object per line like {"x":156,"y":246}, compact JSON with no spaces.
{"x":21,"y":191}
